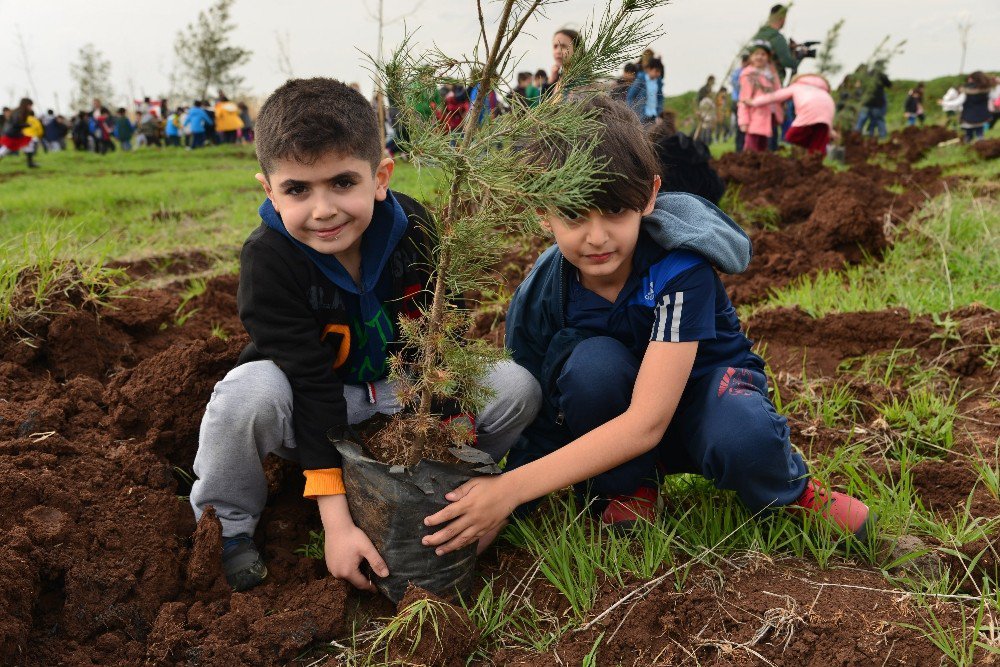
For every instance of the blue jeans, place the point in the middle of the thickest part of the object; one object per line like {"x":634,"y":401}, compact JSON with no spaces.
{"x":875,"y":118}
{"x":197,"y":140}
{"x":725,"y":428}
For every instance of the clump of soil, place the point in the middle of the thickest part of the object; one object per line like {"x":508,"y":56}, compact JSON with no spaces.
{"x":908,"y":145}
{"x":826,"y":219}
{"x":446,"y":639}
{"x":988,"y":149}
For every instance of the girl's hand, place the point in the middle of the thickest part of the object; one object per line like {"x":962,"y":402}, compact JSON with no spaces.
{"x":478,"y":508}
{"x":743,"y":128}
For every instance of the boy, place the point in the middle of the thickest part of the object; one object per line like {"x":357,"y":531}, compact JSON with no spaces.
{"x":124,"y":129}
{"x":542,"y":83}
{"x":197,"y":123}
{"x":643,"y":367}
{"x":646,"y":93}
{"x":337,"y":260}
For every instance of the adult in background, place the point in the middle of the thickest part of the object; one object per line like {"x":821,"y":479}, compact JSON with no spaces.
{"x":874,"y":104}
{"x":705,"y":90}
{"x":227,"y":119}
{"x":246,"y":134}
{"x":565,"y":43}
{"x":782,"y":57}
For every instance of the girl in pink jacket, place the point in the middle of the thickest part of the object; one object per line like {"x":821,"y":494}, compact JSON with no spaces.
{"x":757,"y":79}
{"x":814,"y":110}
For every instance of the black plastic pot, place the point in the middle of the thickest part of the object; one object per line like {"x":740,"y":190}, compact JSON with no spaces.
{"x":389,"y":503}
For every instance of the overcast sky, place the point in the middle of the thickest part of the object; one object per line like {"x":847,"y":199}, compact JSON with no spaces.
{"x":326,"y":37}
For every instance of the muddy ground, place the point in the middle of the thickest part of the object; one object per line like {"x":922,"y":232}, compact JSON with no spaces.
{"x":101,"y":562}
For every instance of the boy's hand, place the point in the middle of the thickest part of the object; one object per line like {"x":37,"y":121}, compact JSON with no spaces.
{"x":346,"y":545}
{"x":479,"y":507}
{"x":344,"y":552}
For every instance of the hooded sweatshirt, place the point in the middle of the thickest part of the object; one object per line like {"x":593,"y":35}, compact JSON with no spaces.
{"x":810,"y":94}
{"x":683,"y":233}
{"x":303,"y":311}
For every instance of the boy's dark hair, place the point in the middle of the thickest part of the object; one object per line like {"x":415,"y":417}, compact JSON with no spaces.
{"x":307,"y":118}
{"x":778,"y":9}
{"x":121,"y":111}
{"x":543,"y":73}
{"x":622,"y":147}
{"x":523,"y":76}
{"x":630,"y":68}
{"x":197,"y":103}
{"x":655,"y":63}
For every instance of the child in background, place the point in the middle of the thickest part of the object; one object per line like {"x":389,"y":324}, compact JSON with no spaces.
{"x":723,"y":113}
{"x":17,"y":132}
{"x":757,"y":79}
{"x":542,"y":82}
{"x":913,"y":108}
{"x":525,"y":95}
{"x":951,"y":104}
{"x":975,"y":114}
{"x":124,"y":130}
{"x":646,"y":94}
{"x":706,"y":120}
{"x":197,"y":122}
{"x":101,"y":128}
{"x":644,"y":367}
{"x":814,"y":110}
{"x":174,"y":127}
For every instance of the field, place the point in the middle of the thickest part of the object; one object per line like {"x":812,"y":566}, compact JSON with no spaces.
{"x":872,"y":295}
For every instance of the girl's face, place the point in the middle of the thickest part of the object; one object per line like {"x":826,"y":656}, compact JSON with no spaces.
{"x":562,"y":47}
{"x":760,"y":58}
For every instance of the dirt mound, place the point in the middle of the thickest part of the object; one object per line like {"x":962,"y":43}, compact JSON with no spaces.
{"x":988,"y":149}
{"x":826,"y":219}
{"x":908,"y":145}
{"x":435,"y":632}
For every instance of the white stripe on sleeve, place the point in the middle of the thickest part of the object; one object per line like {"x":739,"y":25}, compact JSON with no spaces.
{"x":662,"y":315}
{"x":675,"y":322}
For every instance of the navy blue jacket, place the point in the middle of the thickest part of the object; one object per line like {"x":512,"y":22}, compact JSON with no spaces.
{"x":537,"y":334}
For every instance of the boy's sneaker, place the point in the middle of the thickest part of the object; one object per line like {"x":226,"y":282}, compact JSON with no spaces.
{"x":624,"y":512}
{"x":848,"y":513}
{"x":242,"y":563}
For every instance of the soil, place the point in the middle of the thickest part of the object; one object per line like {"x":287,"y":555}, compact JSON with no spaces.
{"x":451,"y":638}
{"x":988,"y":149}
{"x":101,"y":561}
{"x":826,"y":218}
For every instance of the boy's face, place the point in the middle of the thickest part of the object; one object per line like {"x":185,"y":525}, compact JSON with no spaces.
{"x":328,"y":204}
{"x":654,"y":73}
{"x":600,"y":244}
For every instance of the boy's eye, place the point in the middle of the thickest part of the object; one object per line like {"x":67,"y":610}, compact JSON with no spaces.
{"x":295,"y":190}
{"x":343,"y":183}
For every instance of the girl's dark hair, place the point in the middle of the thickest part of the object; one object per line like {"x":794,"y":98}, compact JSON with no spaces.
{"x":307,"y":118}
{"x":573,"y":35}
{"x":979,"y":80}
{"x":24,"y":103}
{"x":624,"y":148}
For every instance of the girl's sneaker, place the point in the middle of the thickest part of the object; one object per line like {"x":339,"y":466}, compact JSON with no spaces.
{"x":623,"y":512}
{"x":848,"y":513}
{"x":242,"y":563}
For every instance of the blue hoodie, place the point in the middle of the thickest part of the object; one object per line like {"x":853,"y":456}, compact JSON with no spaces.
{"x":197,"y":120}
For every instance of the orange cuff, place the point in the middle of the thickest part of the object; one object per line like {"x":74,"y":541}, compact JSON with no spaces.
{"x":327,"y":482}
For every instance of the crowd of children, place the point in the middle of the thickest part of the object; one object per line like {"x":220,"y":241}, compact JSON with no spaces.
{"x":101,"y":131}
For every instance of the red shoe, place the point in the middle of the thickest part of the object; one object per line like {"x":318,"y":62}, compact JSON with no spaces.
{"x":624,"y":512}
{"x":849,"y":514}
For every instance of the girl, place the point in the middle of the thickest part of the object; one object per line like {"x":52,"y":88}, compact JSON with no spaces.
{"x":814,"y":111}
{"x":15,"y":138}
{"x":564,"y":44}
{"x":975,"y":106}
{"x":758,"y":78}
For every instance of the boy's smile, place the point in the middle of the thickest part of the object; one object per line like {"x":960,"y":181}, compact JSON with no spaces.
{"x":329,"y":203}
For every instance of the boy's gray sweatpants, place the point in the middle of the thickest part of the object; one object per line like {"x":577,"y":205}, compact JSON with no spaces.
{"x":250,"y":416}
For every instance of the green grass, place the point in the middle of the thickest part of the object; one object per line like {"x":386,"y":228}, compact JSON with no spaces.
{"x":146,"y":202}
{"x":948,"y":256}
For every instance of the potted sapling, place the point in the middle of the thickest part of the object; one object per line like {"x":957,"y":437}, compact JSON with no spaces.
{"x":397,"y":471}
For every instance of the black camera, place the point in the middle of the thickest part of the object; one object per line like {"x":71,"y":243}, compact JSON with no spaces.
{"x":803,"y":50}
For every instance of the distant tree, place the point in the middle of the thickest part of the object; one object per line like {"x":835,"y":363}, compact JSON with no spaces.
{"x":825,"y":63}
{"x":964,"y":26}
{"x":92,"y":74}
{"x":205,"y":56}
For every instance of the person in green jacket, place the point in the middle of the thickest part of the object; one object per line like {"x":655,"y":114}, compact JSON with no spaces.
{"x":123,"y":129}
{"x":784,"y":59}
